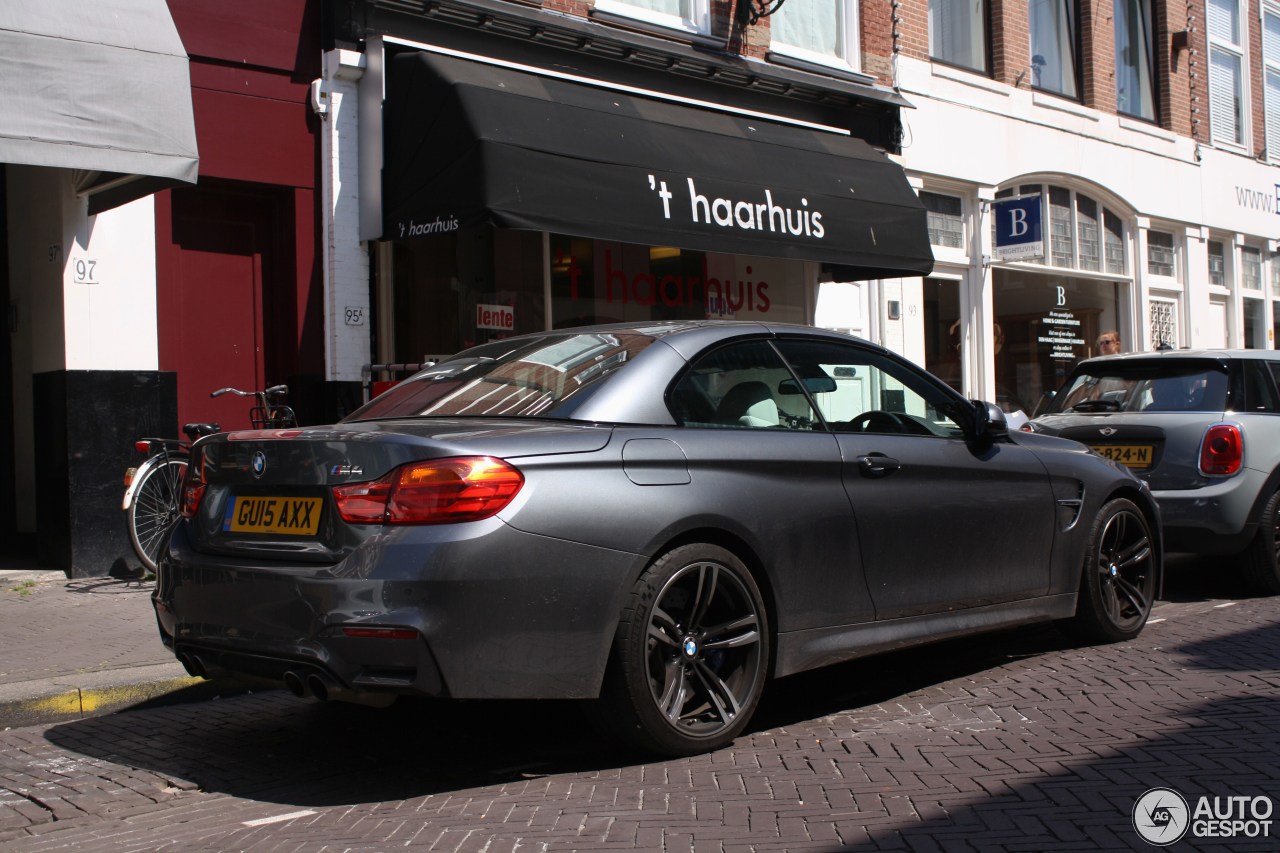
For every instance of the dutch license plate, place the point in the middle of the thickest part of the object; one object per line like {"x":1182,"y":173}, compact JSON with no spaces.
{"x":265,"y":514}
{"x":1129,"y":455}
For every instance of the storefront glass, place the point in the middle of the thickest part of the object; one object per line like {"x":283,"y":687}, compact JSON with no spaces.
{"x":943,"y":354}
{"x":455,"y":290}
{"x":1044,"y":325}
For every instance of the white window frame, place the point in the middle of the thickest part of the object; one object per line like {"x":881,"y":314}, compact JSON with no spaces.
{"x":1176,"y":249}
{"x":1271,"y":71}
{"x":695,"y":17}
{"x":944,"y":30}
{"x":849,"y":56}
{"x":1219,"y":44}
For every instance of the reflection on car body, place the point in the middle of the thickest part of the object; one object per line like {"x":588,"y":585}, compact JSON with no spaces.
{"x":657,"y":518}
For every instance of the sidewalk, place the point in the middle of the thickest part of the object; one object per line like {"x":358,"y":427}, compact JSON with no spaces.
{"x":72,"y":648}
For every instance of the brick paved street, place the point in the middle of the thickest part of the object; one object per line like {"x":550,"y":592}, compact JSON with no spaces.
{"x":1017,"y":742}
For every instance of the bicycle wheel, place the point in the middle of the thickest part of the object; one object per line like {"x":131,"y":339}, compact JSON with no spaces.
{"x":155,"y":509}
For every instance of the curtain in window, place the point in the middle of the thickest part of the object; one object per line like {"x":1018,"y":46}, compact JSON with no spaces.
{"x":1135,"y":89}
{"x":811,"y":25}
{"x":957,"y":32}
{"x":1053,"y":59}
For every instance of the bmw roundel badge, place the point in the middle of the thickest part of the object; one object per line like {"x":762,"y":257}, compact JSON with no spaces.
{"x":259,"y":463}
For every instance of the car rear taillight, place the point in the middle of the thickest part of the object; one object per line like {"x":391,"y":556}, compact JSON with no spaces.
{"x":193,"y":485}
{"x":438,"y":491}
{"x":1221,"y":450}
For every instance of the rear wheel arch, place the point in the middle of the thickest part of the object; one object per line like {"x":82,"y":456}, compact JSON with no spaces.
{"x":739,"y":548}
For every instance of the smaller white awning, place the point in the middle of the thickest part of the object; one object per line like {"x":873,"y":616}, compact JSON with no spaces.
{"x":102,"y":88}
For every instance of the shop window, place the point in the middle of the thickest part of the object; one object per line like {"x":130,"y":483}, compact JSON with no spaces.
{"x":1251,"y":268}
{"x":1061,"y":245}
{"x":1160,"y":255}
{"x":944,"y":355}
{"x":1217,"y":264}
{"x":1053,"y":46}
{"x":958,"y":33}
{"x":1087,"y":233}
{"x":693,"y":16}
{"x":1113,"y":235}
{"x":1163,"y":323}
{"x":1226,"y":59}
{"x":945,"y":219}
{"x":1135,"y":69}
{"x":599,"y":281}
{"x":1255,"y":324}
{"x":821,"y":31}
{"x":1075,"y":225}
{"x":1271,"y":83}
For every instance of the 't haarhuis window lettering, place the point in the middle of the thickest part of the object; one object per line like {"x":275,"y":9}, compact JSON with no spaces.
{"x":744,"y":214}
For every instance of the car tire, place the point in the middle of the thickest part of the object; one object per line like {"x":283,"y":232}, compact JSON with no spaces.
{"x":1119,"y":580}
{"x":690,"y":656}
{"x":1260,"y":563}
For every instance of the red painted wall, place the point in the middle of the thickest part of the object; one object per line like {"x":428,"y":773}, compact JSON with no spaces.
{"x":251,"y":65}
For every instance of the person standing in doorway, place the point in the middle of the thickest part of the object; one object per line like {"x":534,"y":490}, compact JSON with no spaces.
{"x":1109,"y":343}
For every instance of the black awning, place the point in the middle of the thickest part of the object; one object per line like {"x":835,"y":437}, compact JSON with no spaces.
{"x":468,"y":143}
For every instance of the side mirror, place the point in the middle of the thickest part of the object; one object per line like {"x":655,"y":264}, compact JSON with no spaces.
{"x":990,"y":422}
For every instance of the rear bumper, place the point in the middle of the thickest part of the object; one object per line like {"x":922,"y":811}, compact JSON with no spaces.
{"x":1217,"y":519}
{"x":488,"y":620}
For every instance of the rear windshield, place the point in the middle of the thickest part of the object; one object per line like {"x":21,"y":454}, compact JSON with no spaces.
{"x":544,"y":376}
{"x":1135,"y":386}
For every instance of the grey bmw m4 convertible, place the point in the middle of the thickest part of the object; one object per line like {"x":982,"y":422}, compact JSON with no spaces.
{"x":659,"y":518}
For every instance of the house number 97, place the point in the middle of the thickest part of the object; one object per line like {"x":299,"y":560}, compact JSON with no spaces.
{"x":355,"y":316}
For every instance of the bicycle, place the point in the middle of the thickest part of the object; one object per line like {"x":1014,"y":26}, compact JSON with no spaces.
{"x":153,"y":490}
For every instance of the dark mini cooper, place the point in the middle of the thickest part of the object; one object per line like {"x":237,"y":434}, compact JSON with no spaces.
{"x":658,"y":517}
{"x":1202,"y":428}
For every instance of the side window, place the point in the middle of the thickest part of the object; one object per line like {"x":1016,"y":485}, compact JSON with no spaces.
{"x":741,"y":386}
{"x":1259,"y":390}
{"x":858,"y":390}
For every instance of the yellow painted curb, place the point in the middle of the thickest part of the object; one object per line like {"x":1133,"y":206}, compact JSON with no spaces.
{"x":78,"y":703}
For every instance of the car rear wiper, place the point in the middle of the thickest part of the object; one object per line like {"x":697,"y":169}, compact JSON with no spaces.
{"x":1096,"y":406}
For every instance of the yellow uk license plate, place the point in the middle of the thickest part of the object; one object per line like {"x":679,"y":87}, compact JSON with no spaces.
{"x":1129,"y":455}
{"x":264,"y":514}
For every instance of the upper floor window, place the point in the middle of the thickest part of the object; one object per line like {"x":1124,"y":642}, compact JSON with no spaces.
{"x":1053,"y":46}
{"x":1226,"y":81}
{"x":1217,"y":263}
{"x":1271,"y":85}
{"x":692,"y":16}
{"x":1135,"y":70}
{"x":958,"y":33}
{"x":945,"y":222}
{"x":1251,"y":268}
{"x":1160,"y":254}
{"x":822,"y":31}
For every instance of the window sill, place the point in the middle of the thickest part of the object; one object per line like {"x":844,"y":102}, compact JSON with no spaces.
{"x":673,"y":31}
{"x":969,"y":78}
{"x":1145,"y":128}
{"x":1061,"y":104}
{"x":835,"y":69}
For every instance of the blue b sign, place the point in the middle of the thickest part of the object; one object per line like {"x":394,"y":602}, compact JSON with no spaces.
{"x":1018,"y":233}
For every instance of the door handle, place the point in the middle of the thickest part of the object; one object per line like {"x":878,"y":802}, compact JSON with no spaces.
{"x":877,"y":465}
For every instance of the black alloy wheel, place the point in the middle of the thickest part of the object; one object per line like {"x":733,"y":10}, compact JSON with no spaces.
{"x":1119,"y":584}
{"x":690,"y":655}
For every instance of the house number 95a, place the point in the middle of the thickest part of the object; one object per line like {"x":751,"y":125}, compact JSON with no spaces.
{"x":355,"y":316}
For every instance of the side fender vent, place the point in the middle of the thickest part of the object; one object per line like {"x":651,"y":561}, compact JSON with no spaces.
{"x":1069,"y":509}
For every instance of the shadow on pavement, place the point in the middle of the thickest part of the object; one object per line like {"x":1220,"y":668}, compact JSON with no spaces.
{"x":273,"y":747}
